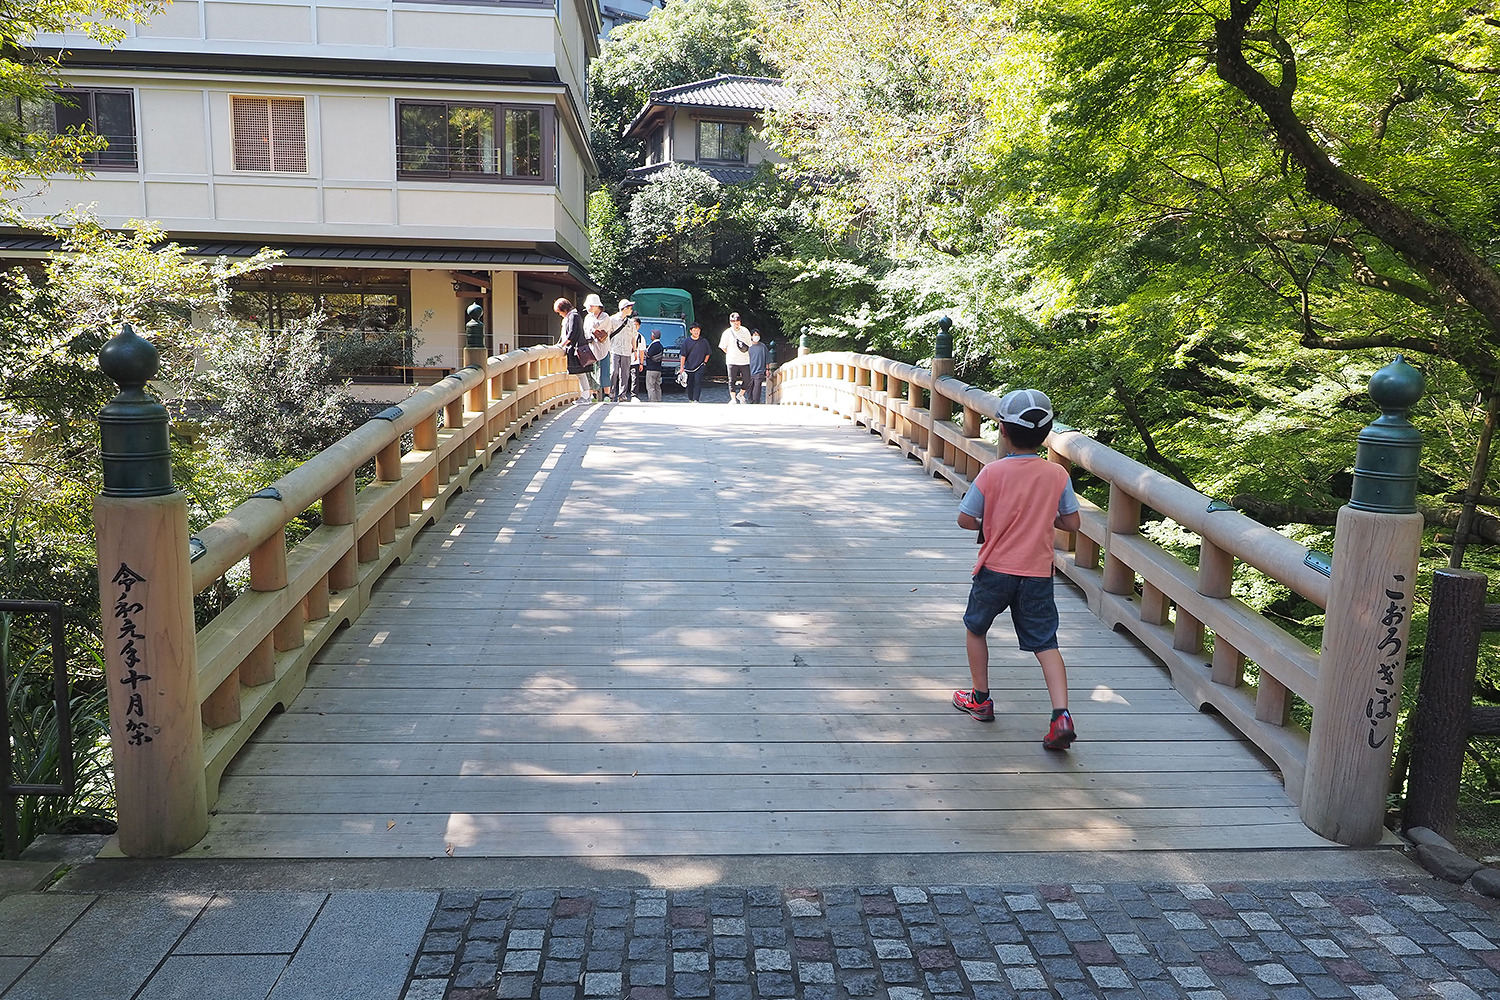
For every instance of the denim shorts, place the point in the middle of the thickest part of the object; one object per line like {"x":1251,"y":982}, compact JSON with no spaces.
{"x":1032,"y":609}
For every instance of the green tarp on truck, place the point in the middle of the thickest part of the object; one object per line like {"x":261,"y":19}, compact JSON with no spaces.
{"x":666,"y":303}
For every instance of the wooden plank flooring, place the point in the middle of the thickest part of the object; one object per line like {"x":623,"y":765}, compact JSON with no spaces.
{"x":704,"y":630}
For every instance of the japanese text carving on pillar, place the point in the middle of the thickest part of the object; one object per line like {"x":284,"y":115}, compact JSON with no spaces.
{"x":1388,"y":663}
{"x":131,"y":654}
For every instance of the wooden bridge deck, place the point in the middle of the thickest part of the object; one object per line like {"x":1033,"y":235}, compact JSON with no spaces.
{"x":706,"y":630}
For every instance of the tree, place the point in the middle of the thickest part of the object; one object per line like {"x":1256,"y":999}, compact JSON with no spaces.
{"x":1154,"y":222}
{"x":29,"y":79}
{"x":684,"y":41}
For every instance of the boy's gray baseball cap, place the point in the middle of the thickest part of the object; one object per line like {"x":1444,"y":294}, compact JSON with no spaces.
{"x":1026,"y":407}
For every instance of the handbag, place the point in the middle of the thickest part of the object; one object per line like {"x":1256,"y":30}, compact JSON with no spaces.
{"x":741,"y":346}
{"x":600,"y":344}
{"x":682,"y":378}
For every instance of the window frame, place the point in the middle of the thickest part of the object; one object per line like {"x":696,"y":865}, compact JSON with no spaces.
{"x":92,"y":160}
{"x":744,"y":127}
{"x":234,"y":154}
{"x":499,"y":111}
{"x":317,"y":283}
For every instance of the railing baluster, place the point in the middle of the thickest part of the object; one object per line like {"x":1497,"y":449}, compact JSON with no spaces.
{"x":1124,"y":519}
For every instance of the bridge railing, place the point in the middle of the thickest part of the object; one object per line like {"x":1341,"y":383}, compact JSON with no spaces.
{"x":1175,"y":609}
{"x":182,"y":708}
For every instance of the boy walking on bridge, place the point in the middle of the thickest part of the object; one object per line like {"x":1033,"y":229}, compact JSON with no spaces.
{"x":1015,"y":503}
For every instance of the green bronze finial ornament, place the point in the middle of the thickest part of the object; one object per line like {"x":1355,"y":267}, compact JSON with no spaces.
{"x":1389,"y":452}
{"x":133,"y":427}
{"x":943,"y":346}
{"x":474,"y":328}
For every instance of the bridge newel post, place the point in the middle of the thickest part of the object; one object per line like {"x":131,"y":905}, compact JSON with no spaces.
{"x":1377,"y":541}
{"x":146,"y":607}
{"x":802,"y":347}
{"x":475,"y":356}
{"x":940,"y":405}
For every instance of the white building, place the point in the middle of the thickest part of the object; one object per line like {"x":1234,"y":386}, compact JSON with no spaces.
{"x":408,"y":155}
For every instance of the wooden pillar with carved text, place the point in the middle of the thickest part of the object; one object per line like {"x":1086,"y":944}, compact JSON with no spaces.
{"x":1377,"y":541}
{"x":146,"y":600}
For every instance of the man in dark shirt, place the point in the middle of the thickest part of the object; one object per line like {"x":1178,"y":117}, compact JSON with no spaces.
{"x":654,"y":351}
{"x":695,"y":351}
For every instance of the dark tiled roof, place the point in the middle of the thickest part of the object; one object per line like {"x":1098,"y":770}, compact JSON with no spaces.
{"x":749,"y":93}
{"x":722,"y":174}
{"x":737,"y":93}
{"x":407,"y":256}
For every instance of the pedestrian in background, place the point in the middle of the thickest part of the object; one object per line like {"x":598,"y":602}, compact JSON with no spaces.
{"x":596,"y":326}
{"x":760,"y":357}
{"x":654,"y":351}
{"x":735,"y":343}
{"x":695,"y":352}
{"x":577,"y":345}
{"x":622,"y":339}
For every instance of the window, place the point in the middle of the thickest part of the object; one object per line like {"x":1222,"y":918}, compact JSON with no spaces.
{"x":269,"y":133}
{"x":722,"y":141}
{"x":475,"y":141}
{"x":369,"y":300}
{"x":106,"y":113}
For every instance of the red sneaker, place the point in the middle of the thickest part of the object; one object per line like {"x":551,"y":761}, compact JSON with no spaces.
{"x":1061,"y":734}
{"x":984,"y":711}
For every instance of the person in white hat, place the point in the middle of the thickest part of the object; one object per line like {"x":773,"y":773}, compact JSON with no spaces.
{"x":1015,"y":503}
{"x":597,"y":327}
{"x":622,"y":345}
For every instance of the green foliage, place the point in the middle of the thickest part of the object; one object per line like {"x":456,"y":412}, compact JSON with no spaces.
{"x":683,"y":229}
{"x":25,"y":151}
{"x":274,"y":394}
{"x":36,"y":739}
{"x":687,"y":40}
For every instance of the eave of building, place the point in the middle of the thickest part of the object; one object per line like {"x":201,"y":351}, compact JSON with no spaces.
{"x":548,"y":259}
{"x":653,"y":113}
{"x":724,"y":173}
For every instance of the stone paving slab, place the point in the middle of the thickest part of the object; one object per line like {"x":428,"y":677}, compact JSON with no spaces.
{"x":359,"y":944}
{"x":33,"y":922}
{"x":109,"y":952}
{"x":252,"y":923}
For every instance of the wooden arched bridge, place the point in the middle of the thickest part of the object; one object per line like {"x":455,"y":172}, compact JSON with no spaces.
{"x":524,"y":628}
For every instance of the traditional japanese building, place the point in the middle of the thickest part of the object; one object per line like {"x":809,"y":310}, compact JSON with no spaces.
{"x":708,"y":124}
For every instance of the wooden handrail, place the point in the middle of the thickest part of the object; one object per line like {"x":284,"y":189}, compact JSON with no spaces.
{"x":254,"y":655}
{"x":1176,"y":602}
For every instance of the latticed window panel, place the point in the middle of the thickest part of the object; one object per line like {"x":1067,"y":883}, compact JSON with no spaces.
{"x":269,"y":133}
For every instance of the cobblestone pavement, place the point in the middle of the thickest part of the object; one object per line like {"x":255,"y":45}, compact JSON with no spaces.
{"x":1254,"y":941}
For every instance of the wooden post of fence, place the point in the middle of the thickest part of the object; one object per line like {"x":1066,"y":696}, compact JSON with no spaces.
{"x":939,"y":450}
{"x":1445,"y":697}
{"x":1376,"y":544}
{"x":475,"y":356}
{"x":146,"y":603}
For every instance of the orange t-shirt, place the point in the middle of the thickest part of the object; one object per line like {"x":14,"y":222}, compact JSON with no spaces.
{"x":1021,"y":494}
